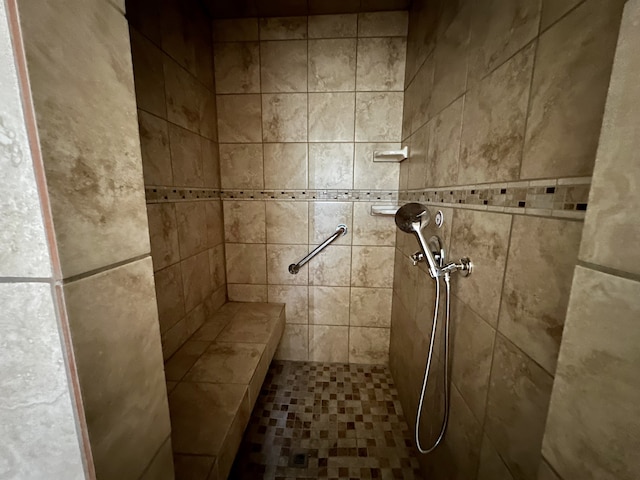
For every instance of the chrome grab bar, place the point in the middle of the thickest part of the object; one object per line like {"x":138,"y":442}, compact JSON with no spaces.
{"x":294,"y":268}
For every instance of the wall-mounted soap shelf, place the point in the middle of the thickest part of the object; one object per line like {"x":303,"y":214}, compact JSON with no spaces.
{"x":391,"y":155}
{"x":387,"y":210}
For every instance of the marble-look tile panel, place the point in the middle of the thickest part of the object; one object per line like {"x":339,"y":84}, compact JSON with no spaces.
{"x":237,"y":67}
{"x":226,"y":363}
{"x":239,"y":118}
{"x":181,"y":94}
{"x":484,"y":238}
{"x":283,"y":28}
{"x":183,"y":359}
{"x":324,"y":218}
{"x":471,"y":356}
{"x":368,"y":174}
{"x":161,"y":467}
{"x":284,"y":117}
{"x":331,"y":117}
{"x":369,"y":345}
{"x":296,"y":300}
{"x":196,"y":279}
{"x":329,"y":305}
{"x":210,"y":163}
{"x":328,"y":344}
{"x":208,"y":113}
{"x":370,"y":307}
{"x":418,"y":143}
{"x":241,"y":165}
{"x":565,"y":116}
{"x":246,"y":293}
{"x":215,"y":227}
{"x":169,"y":296}
{"x":383,"y":24}
{"x":217,"y":268}
{"x":285,"y":166}
{"x":553,"y":10}
{"x":246,"y":263}
{"x":154,"y":146}
{"x":444,"y":145}
{"x":287,"y":222}
{"x":379,"y":116}
{"x":494,"y":123}
{"x":331,"y":165}
{"x":235,"y":29}
{"x":279,"y":257}
{"x":499,"y":28}
{"x":244,"y":222}
{"x":186,"y":157}
{"x":283,"y":66}
{"x":294,"y":344}
{"x":372,"y":229}
{"x":332,"y":267}
{"x":35,"y":385}
{"x":537,"y":284}
{"x":148,"y":75}
{"x":593,"y":424}
{"x":381,"y":64}
{"x":420,"y":93}
{"x":545,"y":472}
{"x":333,"y":26}
{"x":372,"y":266}
{"x":517,"y":408}
{"x":192,"y":227}
{"x":491,"y":465}
{"x":332,"y":65}
{"x":125,"y":371}
{"x":163,"y":233}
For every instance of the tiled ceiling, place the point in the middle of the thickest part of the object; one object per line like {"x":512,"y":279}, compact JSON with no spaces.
{"x":281,"y":8}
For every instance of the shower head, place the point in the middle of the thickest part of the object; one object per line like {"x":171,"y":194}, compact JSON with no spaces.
{"x":412,"y":217}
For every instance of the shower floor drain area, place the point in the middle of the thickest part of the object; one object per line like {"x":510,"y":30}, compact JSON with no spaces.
{"x":299,"y":459}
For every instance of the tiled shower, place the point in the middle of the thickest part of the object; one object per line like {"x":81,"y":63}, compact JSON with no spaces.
{"x":257,"y":126}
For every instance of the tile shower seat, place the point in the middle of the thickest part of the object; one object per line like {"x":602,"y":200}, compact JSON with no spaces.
{"x":213,"y":383}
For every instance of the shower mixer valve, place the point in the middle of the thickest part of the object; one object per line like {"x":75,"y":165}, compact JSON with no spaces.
{"x":465,"y":266}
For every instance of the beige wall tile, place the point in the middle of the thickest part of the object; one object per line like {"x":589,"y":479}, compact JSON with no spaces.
{"x":383,"y":24}
{"x":210,"y":163}
{"x":208,"y":114}
{"x":279,"y":257}
{"x":235,"y":29}
{"x":244,"y":221}
{"x":494,"y":122}
{"x":287,"y":222}
{"x":186,"y":157}
{"x":333,"y":26}
{"x":284,"y":117}
{"x":149,"y":75}
{"x":565,"y":116}
{"x":169,"y":296}
{"x":328,"y":344}
{"x":283,"y":66}
{"x":546,"y":473}
{"x":332,"y":267}
{"x":517,"y":408}
{"x":154,"y":146}
{"x":332,"y":65}
{"x":217,"y":267}
{"x":294,"y":344}
{"x":192,"y":227}
{"x":283,"y":28}
{"x":595,"y":394}
{"x":296,"y":300}
{"x":285,"y":165}
{"x":370,"y":307}
{"x":500,"y":28}
{"x":331,"y":165}
{"x":125,"y":372}
{"x":239,"y":118}
{"x":181,"y":93}
{"x":444,"y":146}
{"x":491,"y":465}
{"x":196,"y":279}
{"x":163,"y":233}
{"x":381,"y":64}
{"x":241,"y":165}
{"x":329,"y":305}
{"x":372,"y":266}
{"x":246,"y":263}
{"x":237,"y":67}
{"x":553,"y":10}
{"x":542,"y":256}
{"x":215,"y":228}
{"x":370,"y":229}
{"x":419,"y":93}
{"x":417,"y":162}
{"x":331,"y":117}
{"x":247,"y":293}
{"x":324,"y":218}
{"x":378,"y":117}
{"x":161,"y":467}
{"x":484,"y":238}
{"x":369,"y":345}
{"x":374,"y":175}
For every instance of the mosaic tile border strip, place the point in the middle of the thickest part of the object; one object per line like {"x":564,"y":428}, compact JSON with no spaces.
{"x":563,"y":197}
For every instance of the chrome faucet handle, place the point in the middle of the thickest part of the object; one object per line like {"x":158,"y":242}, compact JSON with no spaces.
{"x":417,"y":258}
{"x":465,"y":267}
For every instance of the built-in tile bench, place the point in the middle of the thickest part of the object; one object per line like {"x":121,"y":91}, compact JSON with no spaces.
{"x":213,"y":382}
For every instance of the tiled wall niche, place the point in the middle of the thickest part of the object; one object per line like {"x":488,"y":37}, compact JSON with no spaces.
{"x":503,"y":133}
{"x":175,"y":92}
{"x":302,"y":104}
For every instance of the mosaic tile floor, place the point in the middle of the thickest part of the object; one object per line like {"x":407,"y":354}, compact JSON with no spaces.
{"x":330,"y":421}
